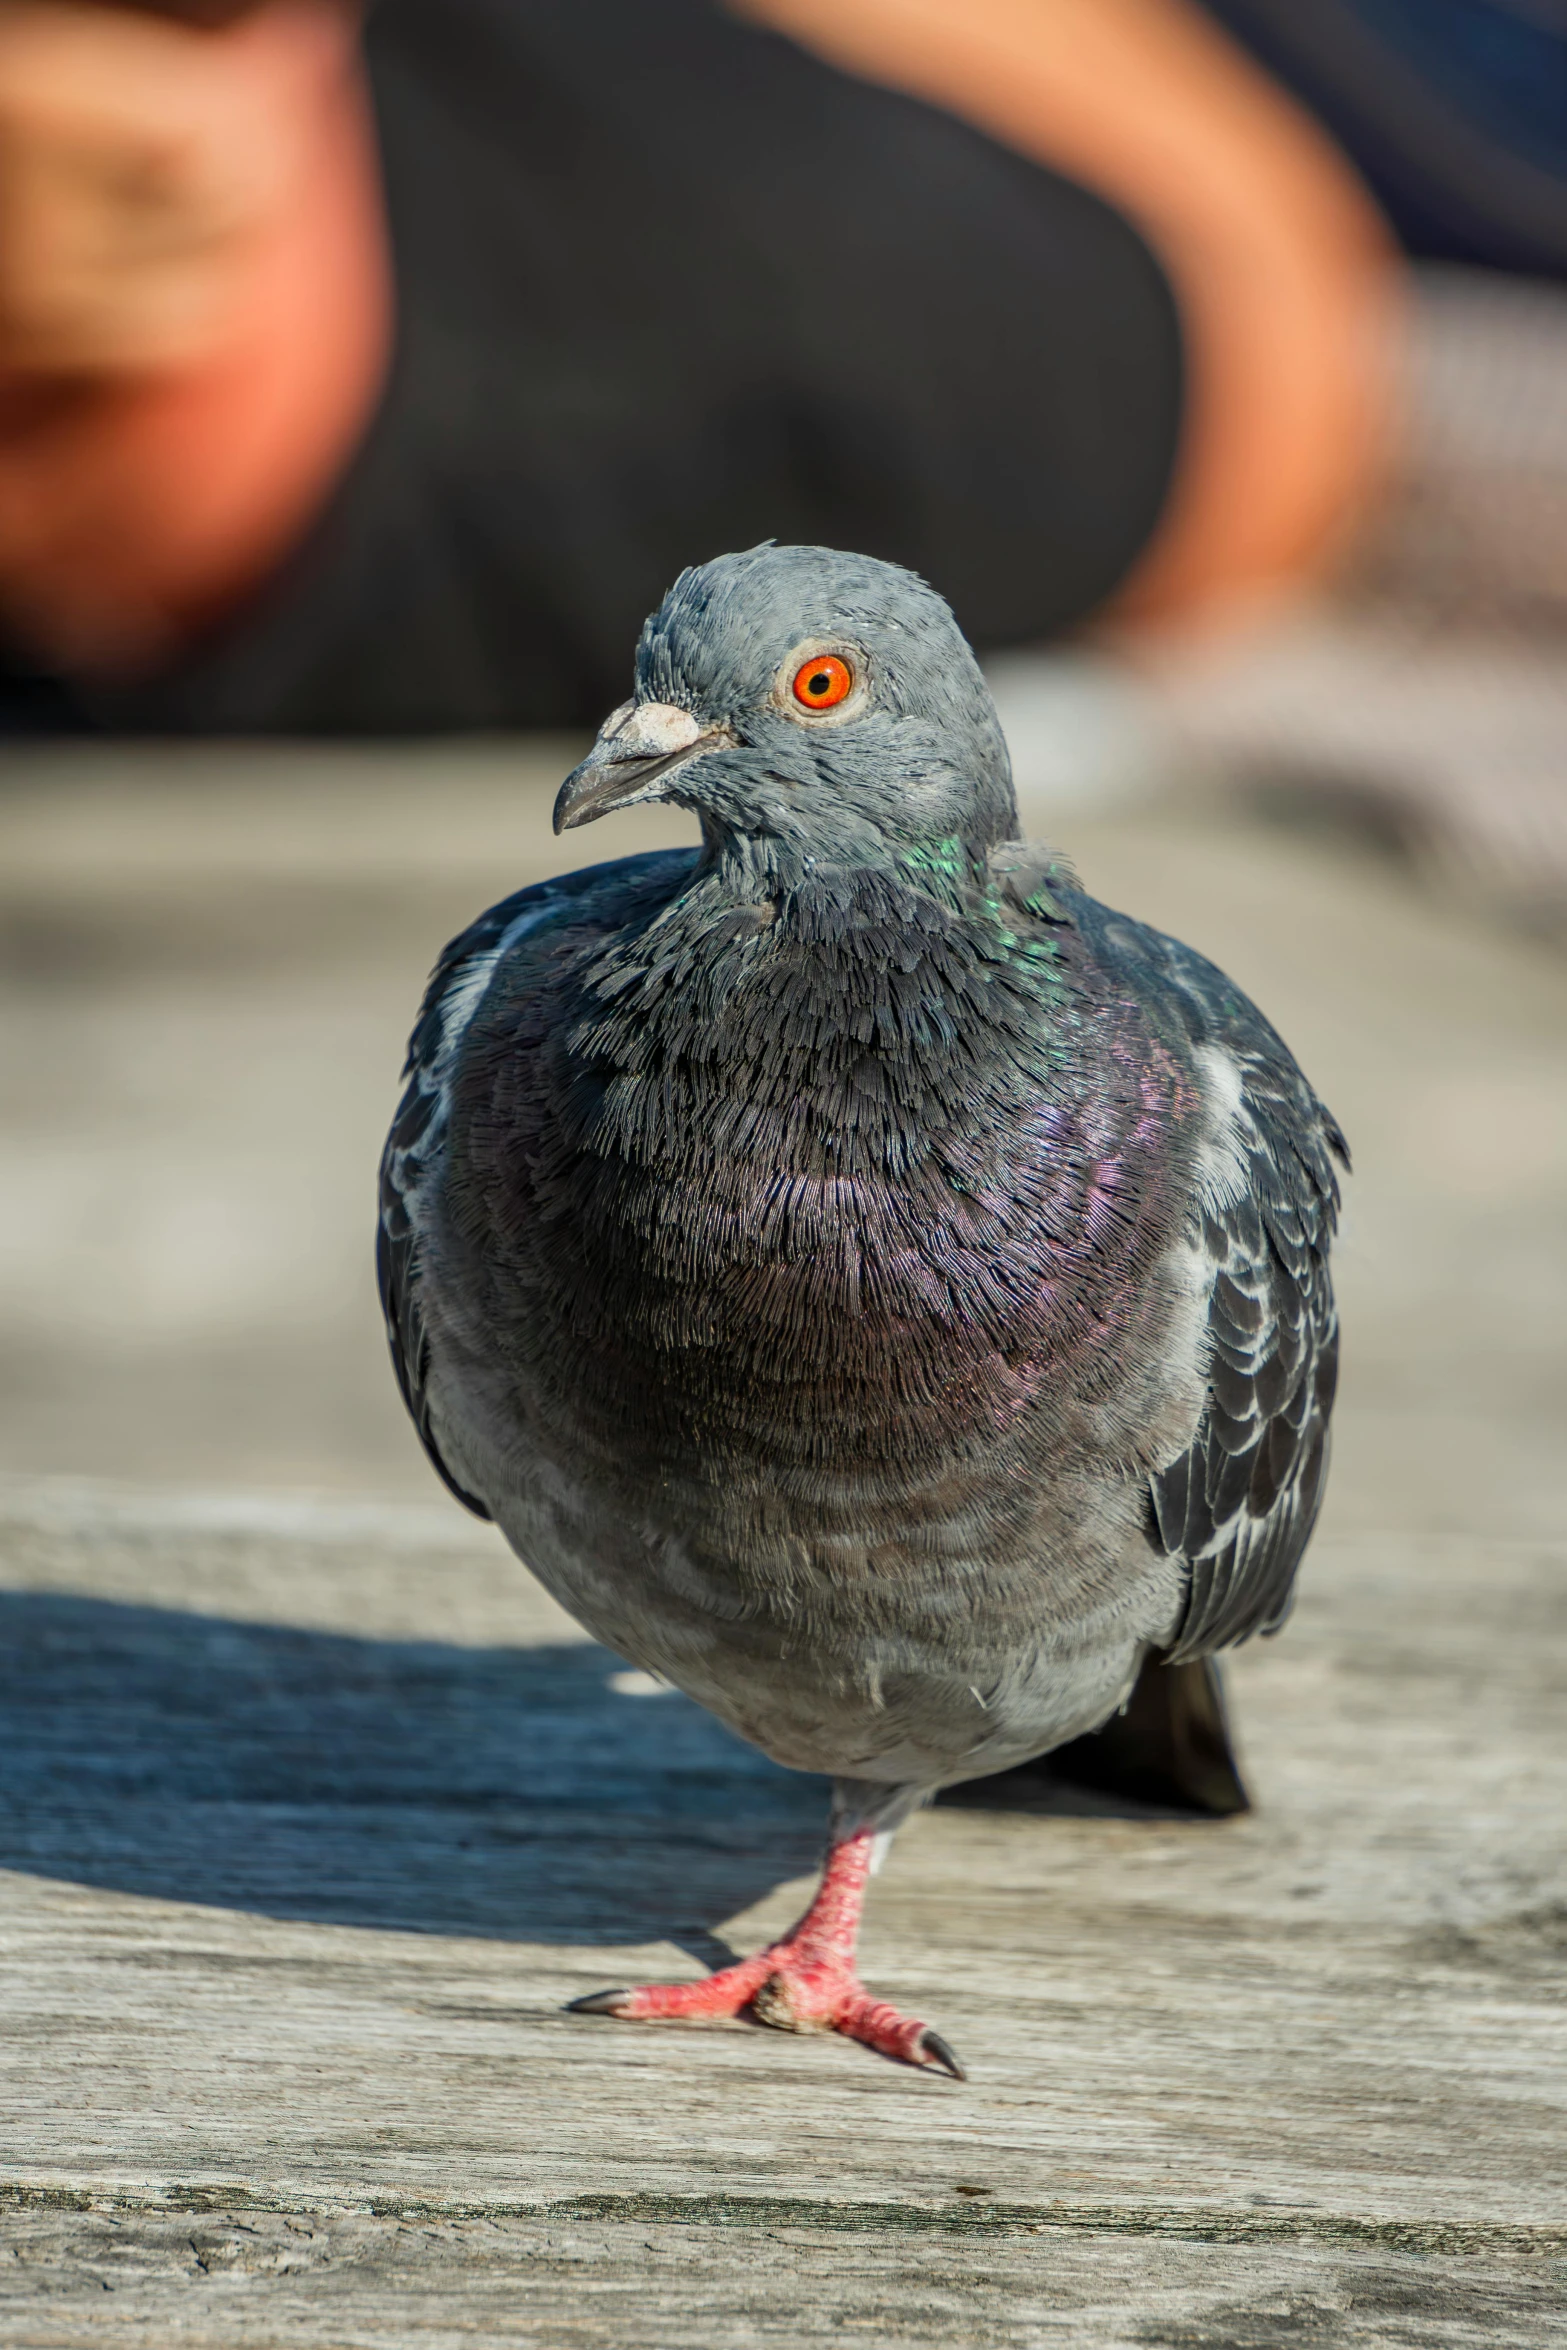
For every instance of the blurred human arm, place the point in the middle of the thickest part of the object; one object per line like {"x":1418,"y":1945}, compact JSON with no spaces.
{"x":195,"y":307}
{"x":1286,"y":278}
{"x":195,"y":311}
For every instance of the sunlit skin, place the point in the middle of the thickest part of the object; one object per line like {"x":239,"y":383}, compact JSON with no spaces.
{"x":195,"y":311}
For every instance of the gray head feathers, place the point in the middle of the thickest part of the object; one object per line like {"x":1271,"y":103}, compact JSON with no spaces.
{"x":811,"y":705}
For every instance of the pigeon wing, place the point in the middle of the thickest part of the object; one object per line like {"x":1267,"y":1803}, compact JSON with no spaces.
{"x":576,"y":906}
{"x":415,"y":1145}
{"x":1239,"y":1504}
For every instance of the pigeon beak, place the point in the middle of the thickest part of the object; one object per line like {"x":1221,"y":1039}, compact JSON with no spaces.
{"x":639,"y":746}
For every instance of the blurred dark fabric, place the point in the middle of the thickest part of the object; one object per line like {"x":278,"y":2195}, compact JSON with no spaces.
{"x":669,"y":286}
{"x":1455,"y":112}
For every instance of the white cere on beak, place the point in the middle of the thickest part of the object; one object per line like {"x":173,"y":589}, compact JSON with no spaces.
{"x":649,"y":730}
{"x":637,"y":746}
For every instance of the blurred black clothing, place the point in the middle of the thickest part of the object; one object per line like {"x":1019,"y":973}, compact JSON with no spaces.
{"x":667,"y":286}
{"x":1454,"y":112}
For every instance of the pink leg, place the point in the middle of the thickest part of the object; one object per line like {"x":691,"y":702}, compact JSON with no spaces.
{"x":805,"y":1983}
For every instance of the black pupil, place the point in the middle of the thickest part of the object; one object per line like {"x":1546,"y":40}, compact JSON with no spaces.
{"x":820,"y":682}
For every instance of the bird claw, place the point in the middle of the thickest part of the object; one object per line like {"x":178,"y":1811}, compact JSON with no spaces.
{"x":709,"y":1997}
{"x":805,"y":1983}
{"x":932,"y":2051}
{"x":787,"y":1999}
{"x":600,"y":2003}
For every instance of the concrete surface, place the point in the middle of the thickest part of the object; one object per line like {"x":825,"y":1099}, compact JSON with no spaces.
{"x":313,"y":1810}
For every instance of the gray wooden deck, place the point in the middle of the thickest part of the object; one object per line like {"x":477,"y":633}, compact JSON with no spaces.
{"x":313,"y":1813}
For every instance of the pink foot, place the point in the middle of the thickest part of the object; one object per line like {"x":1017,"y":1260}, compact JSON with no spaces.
{"x":805,"y":1983}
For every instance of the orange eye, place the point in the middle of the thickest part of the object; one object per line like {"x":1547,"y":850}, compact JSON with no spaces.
{"x":823,"y":681}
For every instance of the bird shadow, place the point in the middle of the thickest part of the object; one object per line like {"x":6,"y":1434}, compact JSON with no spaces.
{"x":410,"y":1784}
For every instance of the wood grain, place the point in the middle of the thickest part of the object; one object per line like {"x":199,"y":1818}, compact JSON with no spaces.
{"x":312,"y":1817}
{"x":315,"y":1817}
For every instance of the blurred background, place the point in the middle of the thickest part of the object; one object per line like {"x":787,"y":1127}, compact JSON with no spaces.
{"x":365,"y":379}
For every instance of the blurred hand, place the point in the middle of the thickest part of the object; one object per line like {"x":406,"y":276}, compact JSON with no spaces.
{"x":195,"y":311}
{"x":142,"y":163}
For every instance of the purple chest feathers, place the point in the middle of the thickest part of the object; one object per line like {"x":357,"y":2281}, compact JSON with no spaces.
{"x":818,"y":1225}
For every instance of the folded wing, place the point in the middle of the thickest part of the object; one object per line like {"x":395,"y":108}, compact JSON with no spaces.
{"x":1239,"y":1504}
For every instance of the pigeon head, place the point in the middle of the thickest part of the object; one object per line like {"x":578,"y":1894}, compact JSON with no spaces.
{"x":810,"y":706}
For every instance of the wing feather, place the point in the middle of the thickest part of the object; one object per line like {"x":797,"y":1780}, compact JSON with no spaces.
{"x":413,"y":1161}
{"x":414,"y":1146}
{"x":1238,"y":1506}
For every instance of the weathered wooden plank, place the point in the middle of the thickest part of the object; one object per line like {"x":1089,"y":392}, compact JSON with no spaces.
{"x":247,"y":2279}
{"x":312,"y":1818}
{"x":313,"y":1824}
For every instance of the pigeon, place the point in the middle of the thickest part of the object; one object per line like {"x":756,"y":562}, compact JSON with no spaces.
{"x":875,"y":1287}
